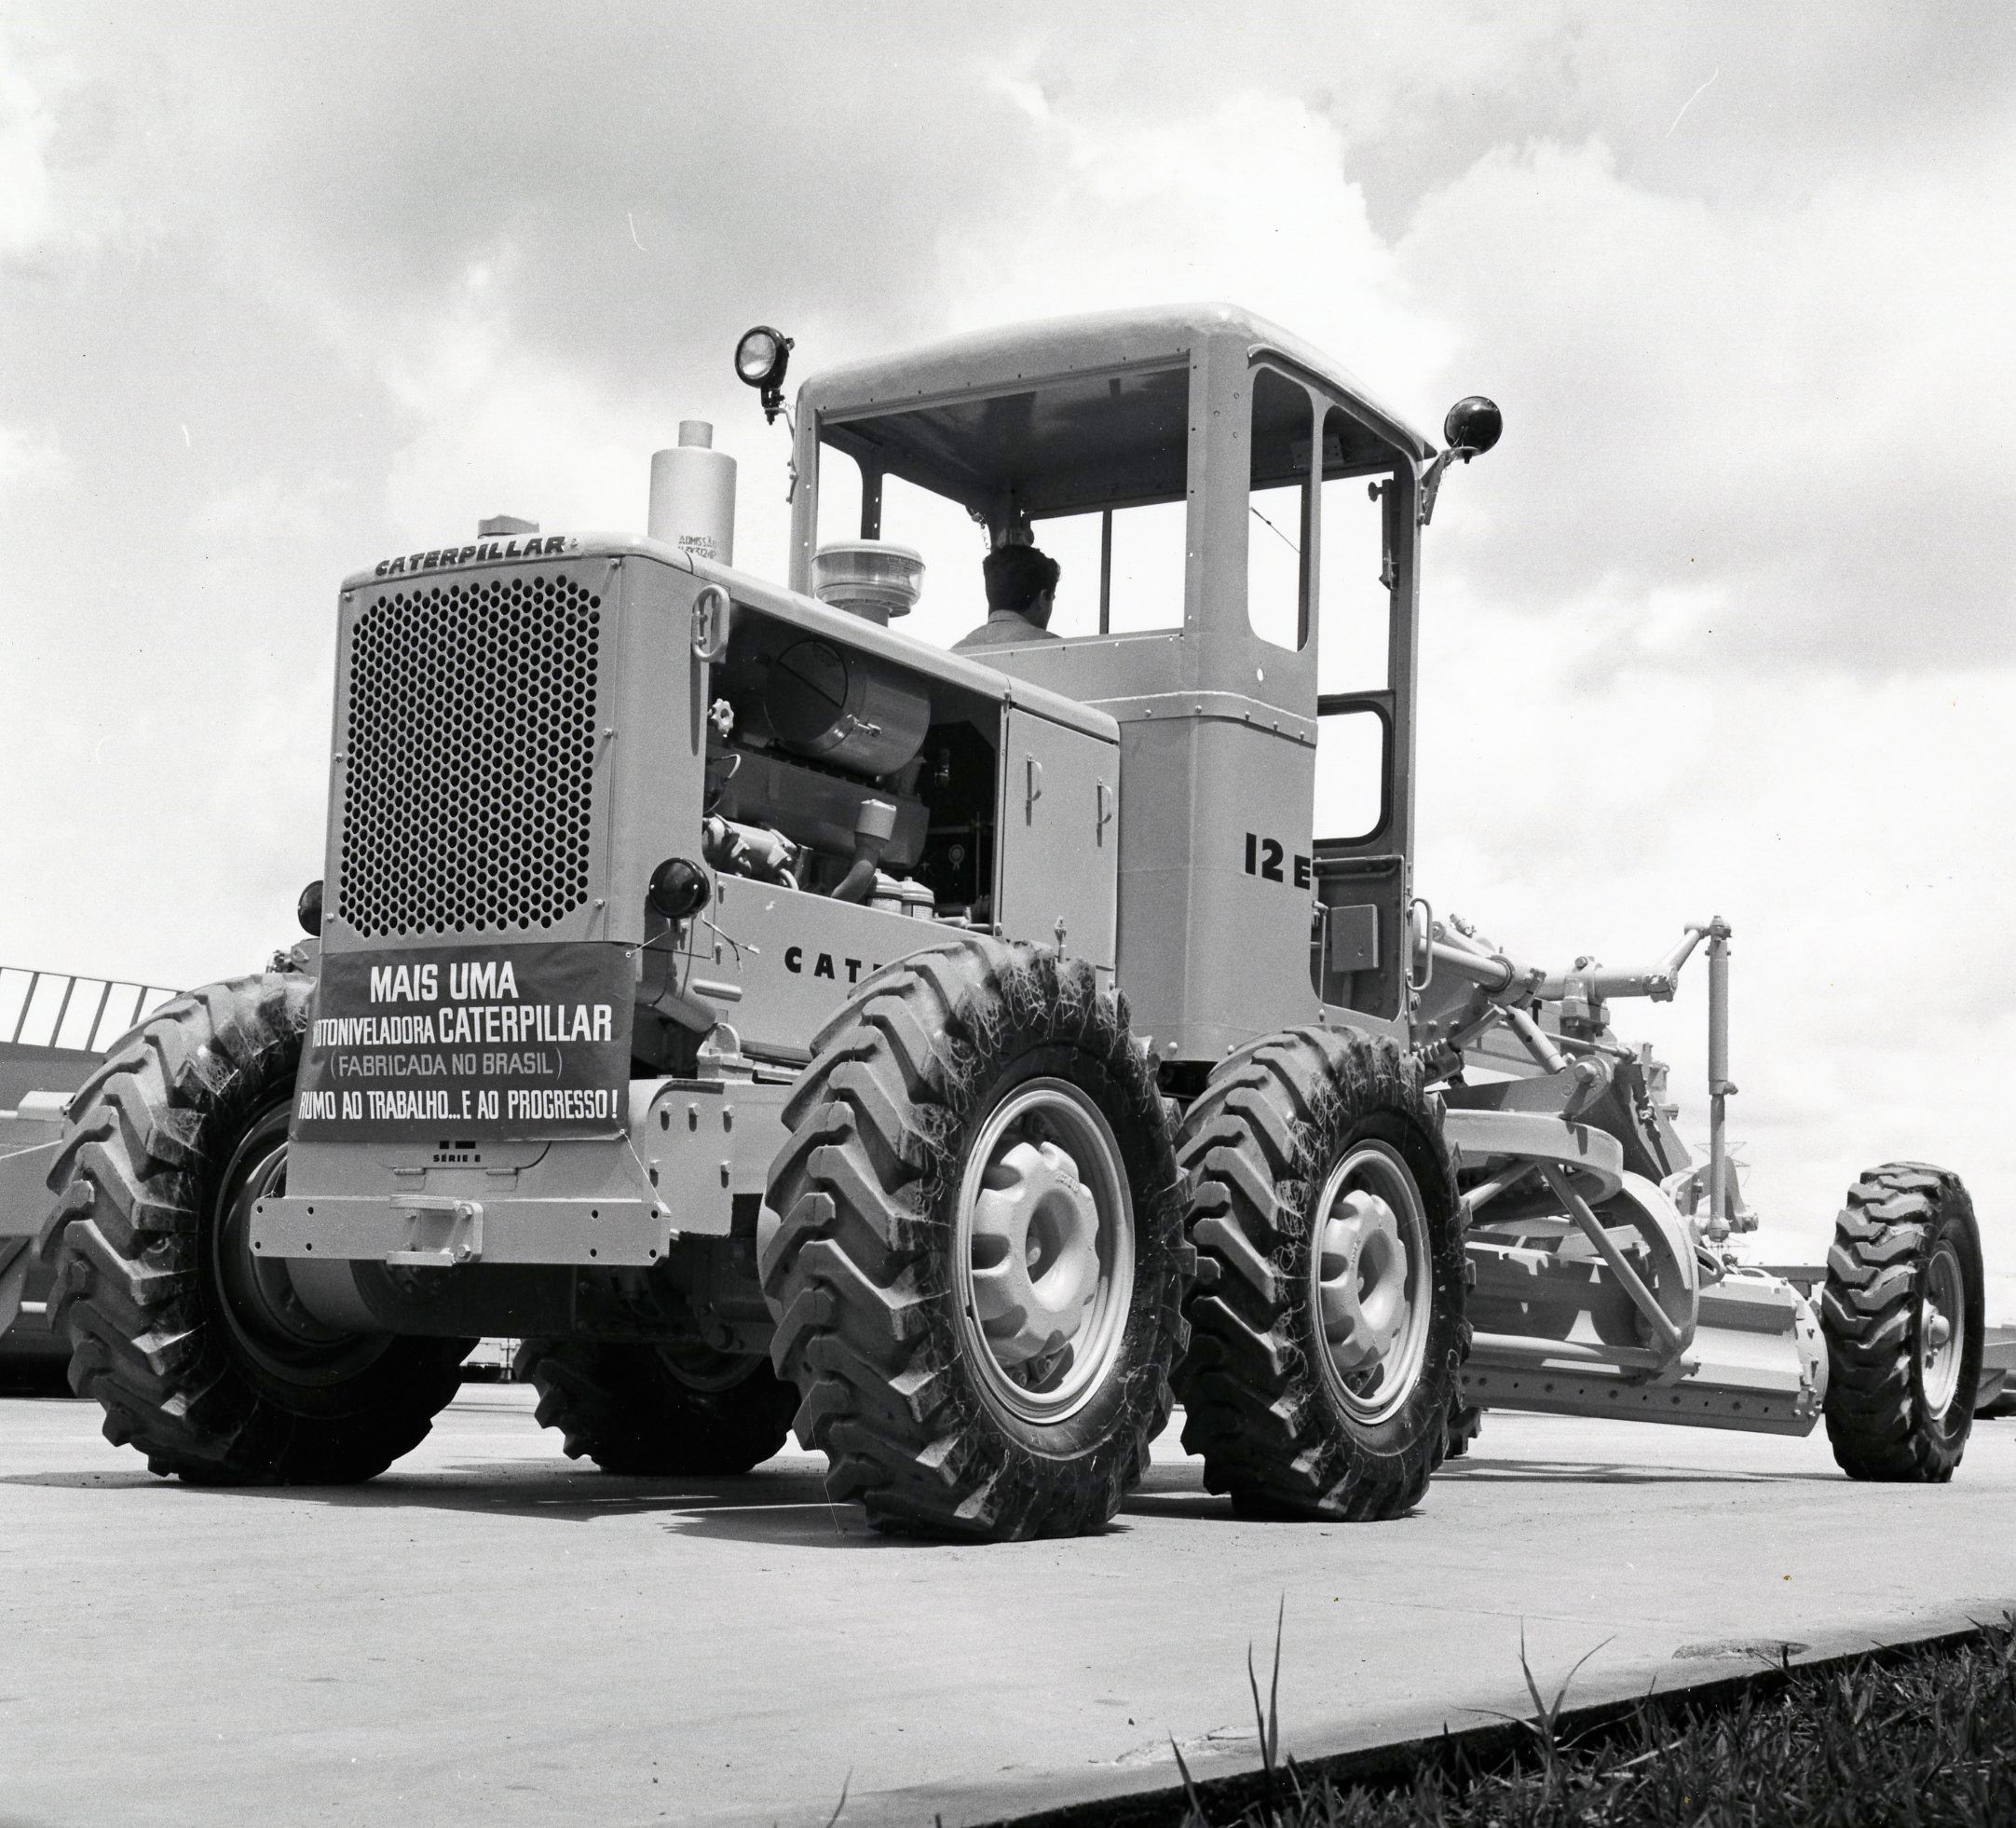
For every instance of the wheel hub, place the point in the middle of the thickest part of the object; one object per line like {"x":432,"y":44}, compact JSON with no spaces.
{"x":1362,"y":1278}
{"x":1035,"y":1253}
{"x":1372,"y":1285}
{"x":1941,"y":1330}
{"x":1045,"y":1252}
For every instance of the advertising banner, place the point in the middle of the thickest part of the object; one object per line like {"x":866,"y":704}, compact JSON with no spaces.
{"x":451,"y":1044}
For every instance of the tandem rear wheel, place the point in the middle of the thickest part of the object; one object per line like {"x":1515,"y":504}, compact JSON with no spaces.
{"x":1327,"y":1330}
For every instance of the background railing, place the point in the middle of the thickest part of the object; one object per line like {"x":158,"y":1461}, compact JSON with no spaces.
{"x":66,"y":1009}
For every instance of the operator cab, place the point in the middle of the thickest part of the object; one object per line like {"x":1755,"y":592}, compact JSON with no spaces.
{"x":1237,"y":523}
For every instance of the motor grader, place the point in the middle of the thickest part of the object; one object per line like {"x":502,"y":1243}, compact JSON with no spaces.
{"x":775,"y":1018}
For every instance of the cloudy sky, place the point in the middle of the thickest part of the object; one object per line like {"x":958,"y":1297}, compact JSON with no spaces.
{"x":1723,"y":625}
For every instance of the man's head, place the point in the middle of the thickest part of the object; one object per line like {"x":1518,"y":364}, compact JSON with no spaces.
{"x":1021,"y":578}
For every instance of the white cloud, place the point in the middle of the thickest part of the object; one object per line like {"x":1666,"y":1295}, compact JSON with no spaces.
{"x":1248,"y":200}
{"x":28,"y":215}
{"x":1026,"y":95}
{"x":1785,"y":402}
{"x":287,"y":511}
{"x":493,"y":426}
{"x":28,"y":460}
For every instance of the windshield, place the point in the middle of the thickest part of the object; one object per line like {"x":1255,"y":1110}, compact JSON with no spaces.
{"x":1092,"y":468}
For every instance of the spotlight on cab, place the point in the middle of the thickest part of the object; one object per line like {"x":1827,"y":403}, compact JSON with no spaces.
{"x":760,"y":360}
{"x":1474,"y":425}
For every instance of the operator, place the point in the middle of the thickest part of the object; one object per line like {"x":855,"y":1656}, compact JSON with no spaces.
{"x":1021,"y":584}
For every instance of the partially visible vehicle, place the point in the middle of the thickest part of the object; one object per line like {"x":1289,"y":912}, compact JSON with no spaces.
{"x":54,"y":1024}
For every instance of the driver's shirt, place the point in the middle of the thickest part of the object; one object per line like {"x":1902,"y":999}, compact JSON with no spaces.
{"x":1003,"y":628}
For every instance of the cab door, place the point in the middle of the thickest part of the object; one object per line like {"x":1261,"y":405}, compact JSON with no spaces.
{"x":1059,"y":822}
{"x":1363,"y":816}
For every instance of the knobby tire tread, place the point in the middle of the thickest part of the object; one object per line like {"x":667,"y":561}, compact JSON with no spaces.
{"x":146,"y":1136}
{"x":858,"y":1271}
{"x":622,"y":1406}
{"x":1256,"y":1146}
{"x":1876,"y":1421}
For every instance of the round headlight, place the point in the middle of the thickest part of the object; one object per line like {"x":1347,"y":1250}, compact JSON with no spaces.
{"x":1474,"y":424}
{"x":679,"y":889}
{"x":308,"y":909}
{"x":761,"y":355}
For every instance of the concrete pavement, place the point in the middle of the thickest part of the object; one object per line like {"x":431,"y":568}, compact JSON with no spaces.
{"x":492,"y":1635}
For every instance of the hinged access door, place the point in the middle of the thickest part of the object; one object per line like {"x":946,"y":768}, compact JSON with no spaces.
{"x":1059,"y":835}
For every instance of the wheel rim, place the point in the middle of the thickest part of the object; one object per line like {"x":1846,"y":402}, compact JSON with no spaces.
{"x":1941,"y":1329}
{"x":1371,"y":1282}
{"x":266,"y":1316}
{"x":1044,"y":1251}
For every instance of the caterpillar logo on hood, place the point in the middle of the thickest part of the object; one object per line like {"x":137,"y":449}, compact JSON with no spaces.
{"x":823,"y":966}
{"x":552,"y":546}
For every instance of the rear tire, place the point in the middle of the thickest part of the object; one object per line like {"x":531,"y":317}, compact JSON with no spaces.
{"x":657,"y":1411}
{"x":1466,"y":1423}
{"x":1901,"y":1312}
{"x":195,"y":1348}
{"x":978,"y":1266}
{"x":1326,"y":1325}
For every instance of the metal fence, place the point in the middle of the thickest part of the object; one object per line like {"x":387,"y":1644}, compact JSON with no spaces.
{"x":65,"y":1009}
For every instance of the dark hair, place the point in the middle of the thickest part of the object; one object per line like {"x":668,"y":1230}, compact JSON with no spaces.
{"x":1016,"y":575}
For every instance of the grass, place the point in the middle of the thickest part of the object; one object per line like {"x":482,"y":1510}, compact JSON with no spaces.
{"x":1921,"y":1736}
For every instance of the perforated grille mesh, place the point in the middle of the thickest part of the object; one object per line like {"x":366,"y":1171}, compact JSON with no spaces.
{"x":471,"y":757}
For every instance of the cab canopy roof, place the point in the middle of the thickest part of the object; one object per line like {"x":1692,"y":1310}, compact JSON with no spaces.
{"x":1070,"y":413}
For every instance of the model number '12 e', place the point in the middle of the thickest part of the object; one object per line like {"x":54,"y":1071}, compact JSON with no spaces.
{"x":1266,"y":856}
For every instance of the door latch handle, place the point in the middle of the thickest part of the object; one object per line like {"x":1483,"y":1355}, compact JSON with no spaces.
{"x":710,"y":623}
{"x":1107,"y":812}
{"x":1034,"y":788}
{"x":1421,"y":944}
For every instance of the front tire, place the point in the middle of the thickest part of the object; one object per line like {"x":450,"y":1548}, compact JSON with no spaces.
{"x":1326,"y":1325}
{"x":978,"y":1266}
{"x":196,"y":1349}
{"x":1902,"y":1313}
{"x":659,"y":1411}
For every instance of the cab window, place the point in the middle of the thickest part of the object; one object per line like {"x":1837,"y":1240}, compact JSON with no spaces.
{"x":1279,"y":506}
{"x":1355,"y":579}
{"x":1093,"y":469}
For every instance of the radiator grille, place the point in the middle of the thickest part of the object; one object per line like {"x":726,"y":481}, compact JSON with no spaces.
{"x":470,"y":766}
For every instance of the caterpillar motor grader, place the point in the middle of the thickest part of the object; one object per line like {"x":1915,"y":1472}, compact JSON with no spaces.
{"x":773,"y":1017}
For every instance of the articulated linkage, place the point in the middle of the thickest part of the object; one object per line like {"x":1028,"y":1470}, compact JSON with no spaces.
{"x":1509,"y":987}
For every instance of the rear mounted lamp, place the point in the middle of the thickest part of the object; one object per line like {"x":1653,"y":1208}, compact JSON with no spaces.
{"x":679,"y":889}
{"x":308,"y":909}
{"x":1473,"y":426}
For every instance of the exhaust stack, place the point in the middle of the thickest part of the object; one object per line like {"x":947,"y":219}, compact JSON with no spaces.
{"x":693,"y":496}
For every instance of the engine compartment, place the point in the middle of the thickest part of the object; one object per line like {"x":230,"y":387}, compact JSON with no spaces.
{"x":846,"y":774}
